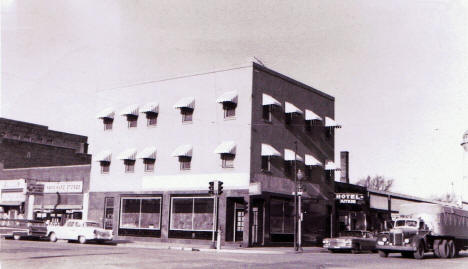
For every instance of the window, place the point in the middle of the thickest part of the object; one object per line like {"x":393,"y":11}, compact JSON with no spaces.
{"x":229,"y":109}
{"x":187,"y":114}
{"x":227,"y":160}
{"x":151,"y":119}
{"x":108,"y":213}
{"x":105,"y":167}
{"x":107,"y":123}
{"x":140,"y":213}
{"x":192,"y":213}
{"x":129,"y":166}
{"x":266,"y":163}
{"x":267,"y":113}
{"x":149,"y":164}
{"x":185,"y":162}
{"x":239,"y":220}
{"x":281,"y":216}
{"x":132,"y":121}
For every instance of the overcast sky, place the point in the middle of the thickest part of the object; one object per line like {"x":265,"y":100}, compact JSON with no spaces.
{"x":398,"y":69}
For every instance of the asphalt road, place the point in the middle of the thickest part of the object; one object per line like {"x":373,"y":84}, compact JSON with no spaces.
{"x":43,"y":254}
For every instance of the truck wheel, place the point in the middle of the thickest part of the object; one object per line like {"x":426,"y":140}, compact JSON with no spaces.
{"x":443,"y":249}
{"x":451,"y":247}
{"x":419,"y":252}
{"x":52,"y":237}
{"x":16,"y":236}
{"x":82,"y":239}
{"x":383,"y":254}
{"x":436,"y":248}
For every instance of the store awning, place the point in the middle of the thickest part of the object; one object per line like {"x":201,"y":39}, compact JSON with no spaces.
{"x":130,"y":110}
{"x":226,"y":147}
{"x":106,"y":113}
{"x":312,"y":161}
{"x":147,"y":153}
{"x":150,"y":108}
{"x":331,"y":166}
{"x":268,"y":150}
{"x":310,"y":115}
{"x":60,"y":207}
{"x":128,"y":154}
{"x":289,"y":156}
{"x":186,"y":102}
{"x":10,"y":203}
{"x":184,"y":150}
{"x":330,"y":123}
{"x":290,"y":108}
{"x":103,"y":156}
{"x":230,"y":97}
{"x":268,"y":100}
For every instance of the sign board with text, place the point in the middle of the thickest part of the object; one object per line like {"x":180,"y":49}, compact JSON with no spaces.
{"x":349,"y":198}
{"x":63,"y":187}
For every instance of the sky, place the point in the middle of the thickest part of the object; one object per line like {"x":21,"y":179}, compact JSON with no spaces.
{"x":396,"y":68}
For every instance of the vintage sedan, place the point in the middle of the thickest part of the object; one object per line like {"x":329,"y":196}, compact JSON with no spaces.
{"x":80,"y":230}
{"x":354,"y":241}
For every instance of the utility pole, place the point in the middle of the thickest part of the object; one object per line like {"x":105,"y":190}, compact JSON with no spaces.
{"x":295,"y":197}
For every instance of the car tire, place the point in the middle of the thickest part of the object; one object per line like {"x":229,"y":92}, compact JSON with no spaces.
{"x":383,"y":254}
{"x":419,"y":252}
{"x":451,"y":247}
{"x":443,"y":249}
{"x":435,"y":246}
{"x":81,"y":239}
{"x":52,"y":237}
{"x":16,"y":236}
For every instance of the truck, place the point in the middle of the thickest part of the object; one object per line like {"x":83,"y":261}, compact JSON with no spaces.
{"x":425,"y":227}
{"x":22,"y":229}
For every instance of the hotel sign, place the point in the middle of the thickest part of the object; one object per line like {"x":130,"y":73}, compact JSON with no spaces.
{"x":63,"y":187}
{"x":349,"y":198}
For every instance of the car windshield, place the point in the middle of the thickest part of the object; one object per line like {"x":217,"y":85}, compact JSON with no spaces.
{"x":408,"y":223}
{"x":92,"y":224}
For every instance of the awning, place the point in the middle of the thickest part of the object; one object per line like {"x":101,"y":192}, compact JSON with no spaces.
{"x":331,"y":166}
{"x":186,"y":102}
{"x":268,"y":150}
{"x":312,"y":161}
{"x":150,"y":108}
{"x":103,"y":156}
{"x":10,"y":203}
{"x":310,"y":115}
{"x":227,"y":147}
{"x":147,"y":153}
{"x":61,"y":207}
{"x":106,"y":113}
{"x":290,"y":108}
{"x":130,"y":110}
{"x":289,"y":156}
{"x":128,"y":154}
{"x":330,"y":123}
{"x":268,"y":100}
{"x":230,"y":97}
{"x":184,"y":150}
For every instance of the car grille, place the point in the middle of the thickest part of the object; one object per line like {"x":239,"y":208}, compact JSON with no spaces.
{"x":397,"y":239}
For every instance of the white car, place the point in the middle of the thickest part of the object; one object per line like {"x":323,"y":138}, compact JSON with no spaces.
{"x":80,"y":230}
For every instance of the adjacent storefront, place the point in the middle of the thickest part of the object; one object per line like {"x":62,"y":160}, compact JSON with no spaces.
{"x":12,"y":198}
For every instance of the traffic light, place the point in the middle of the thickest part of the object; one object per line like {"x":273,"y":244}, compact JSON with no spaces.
{"x":211,"y":188}
{"x":220,"y":187}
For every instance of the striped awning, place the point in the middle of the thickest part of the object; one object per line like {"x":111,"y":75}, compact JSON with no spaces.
{"x":183,"y":150}
{"x":312,"y":161}
{"x":106,"y":113}
{"x":331,"y":166}
{"x":150,"y":108}
{"x":130,"y":110}
{"x":186,"y":102}
{"x":268,"y":100}
{"x":228,"y":97}
{"x":290,"y":108}
{"x":227,"y":147}
{"x":330,"y":123}
{"x":289,"y":156}
{"x":128,"y":154}
{"x":147,"y":153}
{"x":310,"y":115}
{"x":268,"y":150}
{"x":103,"y":156}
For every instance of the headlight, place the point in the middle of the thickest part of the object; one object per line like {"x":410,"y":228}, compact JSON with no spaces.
{"x":407,"y":241}
{"x":325,"y":241}
{"x":384,"y":239}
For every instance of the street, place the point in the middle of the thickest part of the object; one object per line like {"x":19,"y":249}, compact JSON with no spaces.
{"x":43,"y":254}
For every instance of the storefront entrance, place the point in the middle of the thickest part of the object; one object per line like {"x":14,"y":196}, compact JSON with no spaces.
{"x":257,"y":225}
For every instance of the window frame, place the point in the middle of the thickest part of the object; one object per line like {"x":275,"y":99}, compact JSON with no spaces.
{"x":227,"y":160}
{"x":266,"y":111}
{"x":187,"y":114}
{"x":193,"y":212}
{"x":108,"y":123}
{"x":105,"y":167}
{"x":129,"y":165}
{"x":141,"y":198}
{"x":229,"y":107}
{"x":151,"y":119}
{"x":147,"y":162}
{"x":185,"y":163}
{"x":132,"y":121}
{"x":266,"y":160}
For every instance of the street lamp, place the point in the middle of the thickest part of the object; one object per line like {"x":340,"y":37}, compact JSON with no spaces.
{"x":299,"y":177}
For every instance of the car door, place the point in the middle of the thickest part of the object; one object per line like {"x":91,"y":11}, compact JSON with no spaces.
{"x":68,"y":230}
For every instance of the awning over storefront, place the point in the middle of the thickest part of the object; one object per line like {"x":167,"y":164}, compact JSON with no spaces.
{"x":331,"y":166}
{"x":227,"y":147}
{"x":312,"y":161}
{"x":330,"y":123}
{"x":60,"y":207}
{"x":150,"y":108}
{"x":106,"y":113}
{"x":310,"y":115}
{"x":10,"y":203}
{"x":147,"y":153}
{"x":289,"y":156}
{"x":290,"y":108}
{"x":130,"y":110}
{"x":128,"y":154}
{"x":183,"y":150}
{"x":103,"y":156}
{"x":230,"y":97}
{"x":268,"y":100}
{"x":268,"y":150}
{"x":186,"y":102}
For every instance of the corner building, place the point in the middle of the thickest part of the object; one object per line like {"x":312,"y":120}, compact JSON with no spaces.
{"x":159,"y":144}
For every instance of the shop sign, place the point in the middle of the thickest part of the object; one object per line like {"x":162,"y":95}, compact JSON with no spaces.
{"x":349,"y":198}
{"x":12,"y":183}
{"x":63,"y":187}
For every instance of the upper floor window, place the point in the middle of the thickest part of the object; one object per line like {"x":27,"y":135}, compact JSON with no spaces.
{"x":149,"y":164}
{"x":290,"y":110}
{"x":266,"y":113}
{"x":187,"y":114}
{"x":227,"y":151}
{"x":105,"y":167}
{"x":129,"y":166}
{"x":267,"y":153}
{"x":149,"y":157}
{"x":229,"y":110}
{"x":185,"y":162}
{"x":104,"y":159}
{"x":128,"y":156}
{"x":107,"y":116}
{"x":151,"y":119}
{"x":229,"y":101}
{"x":132,"y":121}
{"x":331,"y":125}
{"x":131,"y":112}
{"x":227,"y":160}
{"x":151,"y":110}
{"x":186,"y":106}
{"x":268,"y":102}
{"x":266,"y":164}
{"x":184,"y":153}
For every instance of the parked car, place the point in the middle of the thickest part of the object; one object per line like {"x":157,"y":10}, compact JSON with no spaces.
{"x":23,"y":229}
{"x":354,"y":241}
{"x":80,"y":230}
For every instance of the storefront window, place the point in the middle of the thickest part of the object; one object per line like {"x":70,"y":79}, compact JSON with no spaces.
{"x":109,"y":213}
{"x":281,"y":216}
{"x":192,"y":214}
{"x":140,"y":213}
